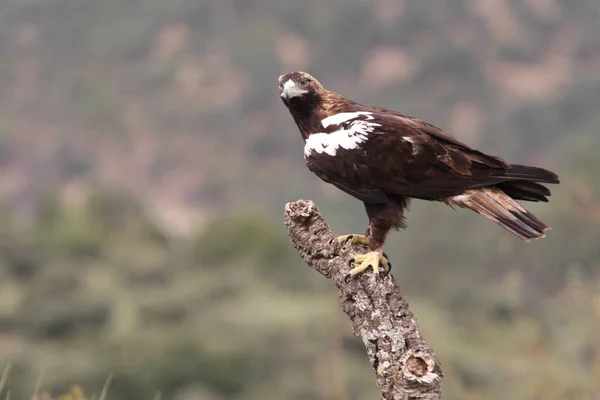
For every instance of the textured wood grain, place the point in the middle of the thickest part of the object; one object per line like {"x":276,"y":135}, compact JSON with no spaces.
{"x":405,"y":367}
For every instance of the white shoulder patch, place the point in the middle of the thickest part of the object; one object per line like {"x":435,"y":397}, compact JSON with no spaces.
{"x":347,"y":138}
{"x":343,"y":117}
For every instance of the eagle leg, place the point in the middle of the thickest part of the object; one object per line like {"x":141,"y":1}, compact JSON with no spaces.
{"x":372,"y":259}
{"x":353,"y":239}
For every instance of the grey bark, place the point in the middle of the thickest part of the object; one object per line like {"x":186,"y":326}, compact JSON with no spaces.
{"x":405,"y":367}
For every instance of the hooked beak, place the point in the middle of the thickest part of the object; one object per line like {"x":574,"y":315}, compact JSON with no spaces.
{"x":290,"y":89}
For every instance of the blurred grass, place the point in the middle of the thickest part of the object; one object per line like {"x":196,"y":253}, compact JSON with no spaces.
{"x":194,"y":318}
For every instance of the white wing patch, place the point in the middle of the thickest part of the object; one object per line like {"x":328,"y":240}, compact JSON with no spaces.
{"x":414,"y":144}
{"x":346,"y":138}
{"x":343,"y":117}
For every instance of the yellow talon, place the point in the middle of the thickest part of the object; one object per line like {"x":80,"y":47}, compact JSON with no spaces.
{"x":353,"y":239}
{"x":373,"y":260}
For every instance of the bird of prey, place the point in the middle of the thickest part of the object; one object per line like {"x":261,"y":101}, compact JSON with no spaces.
{"x":385,"y":158}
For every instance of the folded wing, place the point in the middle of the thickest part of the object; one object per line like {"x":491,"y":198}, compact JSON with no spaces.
{"x":404,"y":156}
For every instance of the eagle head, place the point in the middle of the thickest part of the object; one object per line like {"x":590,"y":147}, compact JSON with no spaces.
{"x":307,"y":100}
{"x":299,"y":88}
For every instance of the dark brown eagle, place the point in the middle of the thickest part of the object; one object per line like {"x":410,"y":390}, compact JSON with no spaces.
{"x":384,"y":159}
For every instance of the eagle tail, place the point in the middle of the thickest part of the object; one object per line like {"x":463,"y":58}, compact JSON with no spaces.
{"x":524,"y":183}
{"x":532,"y":174}
{"x":500,"y":207}
{"x":523,"y":190}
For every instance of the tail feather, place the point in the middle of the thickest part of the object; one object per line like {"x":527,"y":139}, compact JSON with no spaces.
{"x":524,"y":183}
{"x":525,"y":190}
{"x":499,"y":207}
{"x":528,"y":173}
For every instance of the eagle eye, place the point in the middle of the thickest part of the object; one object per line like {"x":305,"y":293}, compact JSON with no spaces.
{"x":304,"y":83}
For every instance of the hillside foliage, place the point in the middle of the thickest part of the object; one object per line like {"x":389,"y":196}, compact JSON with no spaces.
{"x":145,"y":159}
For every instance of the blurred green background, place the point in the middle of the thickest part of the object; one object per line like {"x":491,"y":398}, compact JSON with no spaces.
{"x":145,"y":159}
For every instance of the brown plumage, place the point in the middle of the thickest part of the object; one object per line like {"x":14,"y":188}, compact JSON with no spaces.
{"x":384,"y":159}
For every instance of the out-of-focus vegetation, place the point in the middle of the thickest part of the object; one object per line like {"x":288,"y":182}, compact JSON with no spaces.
{"x":145,"y":159}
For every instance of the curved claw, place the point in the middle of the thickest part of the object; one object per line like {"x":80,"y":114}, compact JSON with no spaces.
{"x":347,"y":239}
{"x":388,"y":264}
{"x":348,"y":278}
{"x":387,"y":271}
{"x":352,"y":239}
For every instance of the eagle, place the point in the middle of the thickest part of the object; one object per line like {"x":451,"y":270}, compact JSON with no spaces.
{"x":385,"y":159}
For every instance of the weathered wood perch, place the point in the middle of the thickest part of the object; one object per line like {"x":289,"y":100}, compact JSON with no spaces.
{"x":405,"y":366}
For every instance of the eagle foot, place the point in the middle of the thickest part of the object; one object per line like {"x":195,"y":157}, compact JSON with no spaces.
{"x":353,"y":239}
{"x":373,"y":259}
